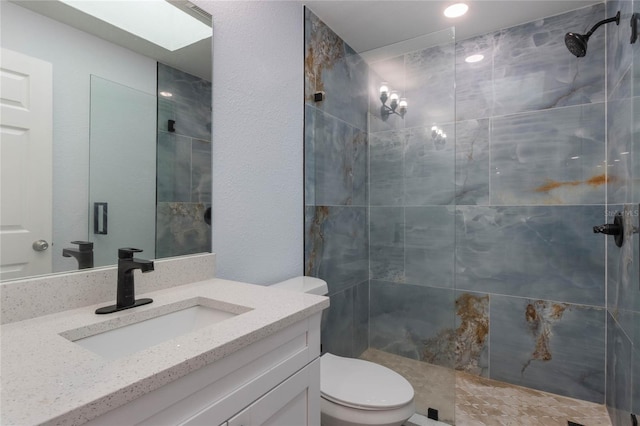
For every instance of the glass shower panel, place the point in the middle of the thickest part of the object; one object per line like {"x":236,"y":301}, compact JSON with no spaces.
{"x":412,"y":183}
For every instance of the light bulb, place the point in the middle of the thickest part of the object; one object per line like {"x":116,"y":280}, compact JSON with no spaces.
{"x":402,"y":106}
{"x":384,"y":89}
{"x":474,"y":58}
{"x":456,"y":10}
{"x":393,"y":100}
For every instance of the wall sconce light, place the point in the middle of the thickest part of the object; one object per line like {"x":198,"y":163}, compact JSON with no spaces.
{"x":396,"y":105}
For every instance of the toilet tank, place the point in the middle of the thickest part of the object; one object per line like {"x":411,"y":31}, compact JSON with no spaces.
{"x":309,"y":285}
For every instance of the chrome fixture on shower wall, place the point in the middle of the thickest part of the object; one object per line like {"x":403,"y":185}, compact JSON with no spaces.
{"x":577,"y":43}
{"x":396,"y":105}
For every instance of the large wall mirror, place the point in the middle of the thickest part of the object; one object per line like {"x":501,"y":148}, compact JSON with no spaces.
{"x":105,"y":136}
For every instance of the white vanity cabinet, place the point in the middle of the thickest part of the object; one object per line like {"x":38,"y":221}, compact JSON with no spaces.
{"x":273,"y":381}
{"x":296,"y":401}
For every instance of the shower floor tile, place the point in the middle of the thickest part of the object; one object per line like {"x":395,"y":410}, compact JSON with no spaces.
{"x":485,"y":402}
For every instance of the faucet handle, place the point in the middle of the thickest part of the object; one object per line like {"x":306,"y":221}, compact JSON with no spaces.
{"x":127,"y":252}
{"x":83,"y":245}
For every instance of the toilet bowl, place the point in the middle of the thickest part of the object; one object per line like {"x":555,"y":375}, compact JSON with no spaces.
{"x":355,"y":392}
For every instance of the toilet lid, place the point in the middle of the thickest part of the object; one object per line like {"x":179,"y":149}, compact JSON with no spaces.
{"x":362,"y":384}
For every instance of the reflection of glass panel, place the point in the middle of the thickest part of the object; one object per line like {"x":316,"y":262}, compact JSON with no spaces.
{"x":122,"y":168}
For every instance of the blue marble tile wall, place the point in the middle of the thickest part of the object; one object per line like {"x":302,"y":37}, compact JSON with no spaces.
{"x":623,"y":195}
{"x":483,"y":257}
{"x":336,"y":185}
{"x":184,"y":164}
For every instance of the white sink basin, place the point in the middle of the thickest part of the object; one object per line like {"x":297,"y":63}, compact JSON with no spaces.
{"x":126,"y":340}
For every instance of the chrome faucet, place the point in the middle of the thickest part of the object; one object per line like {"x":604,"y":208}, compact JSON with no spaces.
{"x":125,"y":298}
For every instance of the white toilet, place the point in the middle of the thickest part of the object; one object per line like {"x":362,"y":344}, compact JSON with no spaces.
{"x":355,"y":392}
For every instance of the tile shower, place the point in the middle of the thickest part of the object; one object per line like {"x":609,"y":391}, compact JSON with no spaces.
{"x":475,"y":252}
{"x":184,"y":163}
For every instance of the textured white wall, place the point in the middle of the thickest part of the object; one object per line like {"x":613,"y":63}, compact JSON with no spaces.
{"x":75,"y":55}
{"x":258,"y":60}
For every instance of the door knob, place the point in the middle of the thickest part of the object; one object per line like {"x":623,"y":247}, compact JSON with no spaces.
{"x":40,"y":245}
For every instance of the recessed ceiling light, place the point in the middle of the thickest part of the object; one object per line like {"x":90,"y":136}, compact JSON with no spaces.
{"x":474,"y":58}
{"x":456,"y":10}
{"x":157,"y":21}
{"x":166,"y":94}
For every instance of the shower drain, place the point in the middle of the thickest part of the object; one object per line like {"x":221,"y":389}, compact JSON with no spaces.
{"x":432,"y":414}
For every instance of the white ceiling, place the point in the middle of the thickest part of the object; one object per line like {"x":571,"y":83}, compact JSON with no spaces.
{"x":194,"y":59}
{"x":371,"y":24}
{"x":364,"y":24}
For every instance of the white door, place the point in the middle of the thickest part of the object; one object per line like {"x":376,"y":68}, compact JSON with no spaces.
{"x":25,"y":165}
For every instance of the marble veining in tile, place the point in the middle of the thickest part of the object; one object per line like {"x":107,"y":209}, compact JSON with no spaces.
{"x":181,"y":229}
{"x":174,"y":165}
{"x":535,"y":343}
{"x":542,"y":252}
{"x":386,"y":176}
{"x":404,"y":316}
{"x":620,"y":53}
{"x":541,"y":316}
{"x":474,"y":81}
{"x":549,"y":157}
{"x":430,"y":246}
{"x":430,"y":85}
{"x":387,"y":243}
{"x":429,"y":165}
{"x":345,"y":324}
{"x":339,"y":160}
{"x":190,"y":105}
{"x":466,"y":346}
{"x":333,"y":67}
{"x":336,"y":245}
{"x":472,"y":165}
{"x":532,"y":61}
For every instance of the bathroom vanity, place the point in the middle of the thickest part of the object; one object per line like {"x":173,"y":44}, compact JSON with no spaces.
{"x":213,"y":352}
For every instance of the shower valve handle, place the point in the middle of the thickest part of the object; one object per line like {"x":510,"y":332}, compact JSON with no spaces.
{"x":609,"y":229}
{"x":616,"y":229}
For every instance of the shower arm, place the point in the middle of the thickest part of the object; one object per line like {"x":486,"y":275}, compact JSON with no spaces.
{"x":615,"y":19}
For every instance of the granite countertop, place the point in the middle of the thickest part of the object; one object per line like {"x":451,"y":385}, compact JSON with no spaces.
{"x":46,"y":378}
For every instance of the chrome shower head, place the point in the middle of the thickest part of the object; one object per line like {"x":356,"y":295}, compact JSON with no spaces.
{"x":577,"y":43}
